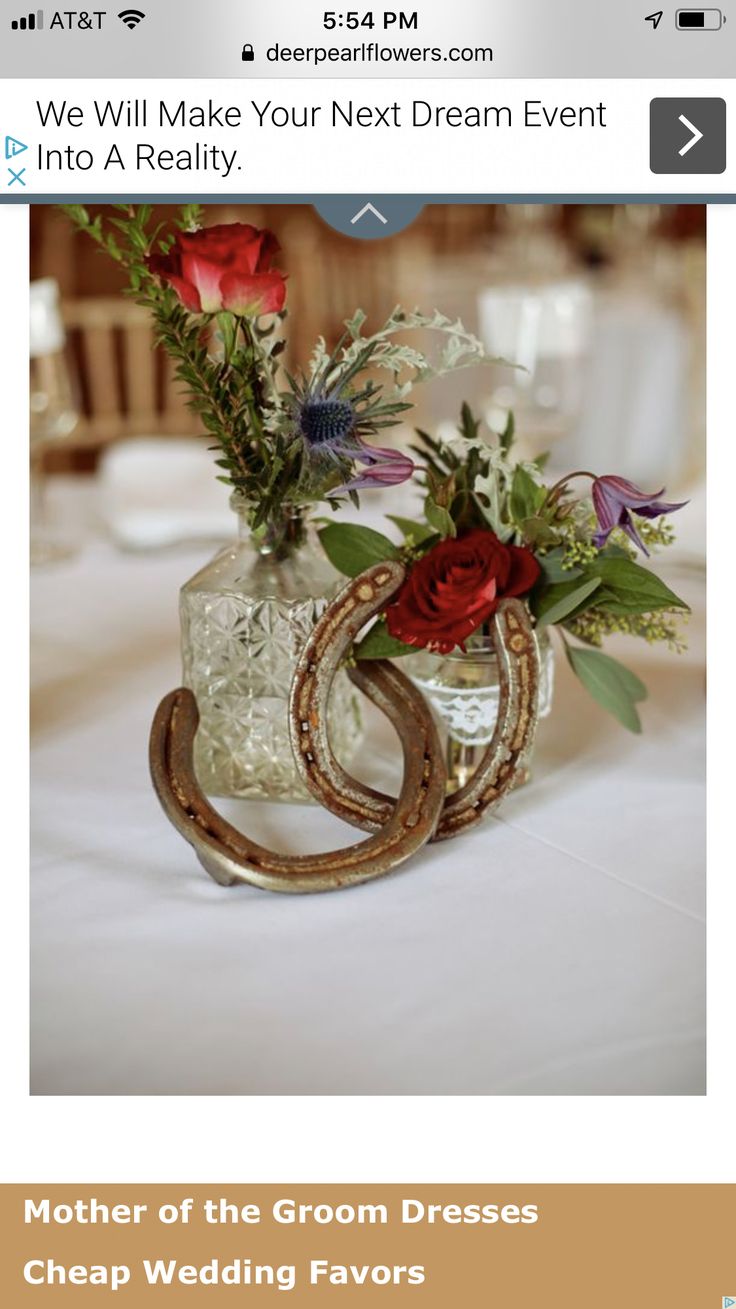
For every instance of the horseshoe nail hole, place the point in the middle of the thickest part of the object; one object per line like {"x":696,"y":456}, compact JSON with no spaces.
{"x":305,"y":727}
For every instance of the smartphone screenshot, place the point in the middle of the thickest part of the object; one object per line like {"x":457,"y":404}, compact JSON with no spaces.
{"x":369,"y":404}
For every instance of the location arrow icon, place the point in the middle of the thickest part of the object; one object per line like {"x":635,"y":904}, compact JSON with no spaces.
{"x":654,"y":19}
{"x":696,"y":135}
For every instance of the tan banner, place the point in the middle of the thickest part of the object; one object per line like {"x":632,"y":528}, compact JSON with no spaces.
{"x":562,"y":1247}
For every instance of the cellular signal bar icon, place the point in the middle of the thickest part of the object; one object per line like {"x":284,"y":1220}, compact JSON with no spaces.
{"x":33,"y":23}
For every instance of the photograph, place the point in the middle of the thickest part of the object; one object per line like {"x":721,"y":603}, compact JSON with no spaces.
{"x":367,"y":651}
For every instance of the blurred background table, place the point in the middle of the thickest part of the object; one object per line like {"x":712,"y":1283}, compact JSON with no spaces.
{"x":558,"y":950}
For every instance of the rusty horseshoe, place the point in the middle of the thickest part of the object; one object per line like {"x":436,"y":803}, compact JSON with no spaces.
{"x":499,"y":769}
{"x":230,"y":856}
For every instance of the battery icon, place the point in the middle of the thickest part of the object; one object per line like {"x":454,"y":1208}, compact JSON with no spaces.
{"x":698,"y":20}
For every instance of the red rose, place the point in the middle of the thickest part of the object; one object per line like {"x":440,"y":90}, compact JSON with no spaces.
{"x":223,"y":267}
{"x":455,"y":587}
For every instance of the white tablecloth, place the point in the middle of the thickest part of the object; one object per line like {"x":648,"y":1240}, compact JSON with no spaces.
{"x":559,"y":950}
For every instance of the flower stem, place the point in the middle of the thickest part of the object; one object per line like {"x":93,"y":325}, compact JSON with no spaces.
{"x":552,"y":493}
{"x":229,"y":437}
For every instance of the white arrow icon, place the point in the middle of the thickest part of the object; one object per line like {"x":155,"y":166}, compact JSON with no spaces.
{"x":696,"y":135}
{"x":368,"y":209}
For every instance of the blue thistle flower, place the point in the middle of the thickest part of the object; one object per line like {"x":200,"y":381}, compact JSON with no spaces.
{"x":326,"y":421}
{"x":333,"y":413}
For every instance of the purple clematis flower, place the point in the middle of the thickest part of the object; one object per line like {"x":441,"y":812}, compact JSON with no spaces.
{"x":615,"y":499}
{"x":385,"y":467}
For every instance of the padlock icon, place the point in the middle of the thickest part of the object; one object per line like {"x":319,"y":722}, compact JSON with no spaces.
{"x":248,"y":55}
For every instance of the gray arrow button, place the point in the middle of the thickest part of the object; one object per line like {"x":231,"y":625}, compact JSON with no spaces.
{"x":369,"y":219}
{"x":687,"y":135}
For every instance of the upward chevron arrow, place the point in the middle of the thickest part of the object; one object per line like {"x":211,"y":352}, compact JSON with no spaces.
{"x":368,"y":209}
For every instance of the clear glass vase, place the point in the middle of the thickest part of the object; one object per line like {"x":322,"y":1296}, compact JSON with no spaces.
{"x":463,"y":690}
{"x":244,"y":620}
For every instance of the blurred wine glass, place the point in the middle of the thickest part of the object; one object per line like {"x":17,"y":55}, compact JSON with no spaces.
{"x":54,"y":411}
{"x":535,"y":311}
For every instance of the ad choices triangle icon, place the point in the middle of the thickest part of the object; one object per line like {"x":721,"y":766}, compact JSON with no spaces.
{"x":13,"y":147}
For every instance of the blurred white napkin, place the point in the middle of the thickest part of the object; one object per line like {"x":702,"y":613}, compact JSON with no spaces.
{"x":156,"y":492}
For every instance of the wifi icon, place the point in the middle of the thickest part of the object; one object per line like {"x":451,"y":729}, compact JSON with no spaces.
{"x":131,"y":17}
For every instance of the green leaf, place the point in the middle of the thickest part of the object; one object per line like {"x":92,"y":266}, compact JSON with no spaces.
{"x":417,"y":531}
{"x":615,"y":687}
{"x":380,"y":644}
{"x":551,"y":565}
{"x":439,"y":518}
{"x":537,"y":531}
{"x":274,"y":470}
{"x":228,"y":327}
{"x":443,"y":455}
{"x":469,"y":426}
{"x":507,"y":435}
{"x":553,"y":603}
{"x":526,"y":496}
{"x":351,"y":548}
{"x":627,"y":588}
